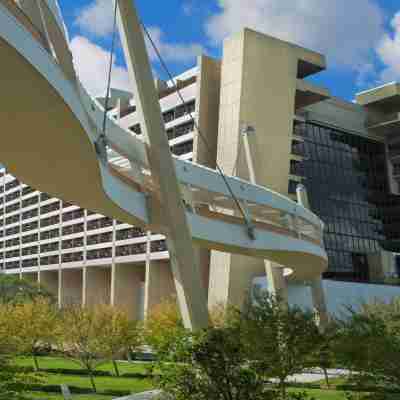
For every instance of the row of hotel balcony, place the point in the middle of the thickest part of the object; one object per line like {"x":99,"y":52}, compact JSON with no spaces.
{"x":179,"y":111}
{"x":19,"y":194}
{"x":96,"y":254}
{"x":164,"y":92}
{"x":69,"y":244}
{"x":103,"y":222}
{"x":30,"y":202}
{"x":121,"y":250}
{"x":174,"y":133}
{"x":123,"y":234}
{"x":169,"y":116}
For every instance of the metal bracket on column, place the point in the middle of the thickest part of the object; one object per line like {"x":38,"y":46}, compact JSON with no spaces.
{"x":249,"y":222}
{"x":101,"y":147}
{"x":187,"y":197}
{"x":245,"y":131}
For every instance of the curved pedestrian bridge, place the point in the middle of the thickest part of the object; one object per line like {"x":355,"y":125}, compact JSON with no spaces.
{"x":52,"y":140}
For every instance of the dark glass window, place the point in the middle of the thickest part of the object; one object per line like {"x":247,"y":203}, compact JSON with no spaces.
{"x":345,"y":176}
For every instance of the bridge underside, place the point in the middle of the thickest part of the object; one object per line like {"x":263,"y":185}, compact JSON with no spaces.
{"x":48,"y":138}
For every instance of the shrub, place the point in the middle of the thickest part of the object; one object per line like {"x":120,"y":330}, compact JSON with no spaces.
{"x":211,"y":365}
{"x":18,"y":291}
{"x":164,"y":327}
{"x":370,"y":345}
{"x":280,"y":340}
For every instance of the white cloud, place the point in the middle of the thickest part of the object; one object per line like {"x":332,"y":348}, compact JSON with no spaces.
{"x":176,"y":52}
{"x":97,"y":19}
{"x":367,"y":76}
{"x":389,"y":52}
{"x":92,"y":64}
{"x":346,"y":31}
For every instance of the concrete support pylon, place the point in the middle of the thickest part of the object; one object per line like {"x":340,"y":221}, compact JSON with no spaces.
{"x":159,"y":284}
{"x":274,"y":272}
{"x":186,"y":271}
{"x":317,"y":291}
{"x":49,"y":282}
{"x":126,"y":288}
{"x":96,"y":286}
{"x":277,"y":281}
{"x":71,"y":287}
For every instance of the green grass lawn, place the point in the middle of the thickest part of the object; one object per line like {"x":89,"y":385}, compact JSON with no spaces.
{"x":320,"y":394}
{"x":122,"y":384}
{"x":51,"y":396}
{"x":61,"y":363}
{"x":104,"y":384}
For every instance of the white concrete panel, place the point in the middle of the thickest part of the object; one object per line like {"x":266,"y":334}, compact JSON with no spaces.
{"x":339,"y":295}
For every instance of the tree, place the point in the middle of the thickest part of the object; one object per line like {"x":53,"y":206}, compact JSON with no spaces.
{"x":370,"y":345}
{"x":164,"y":326}
{"x":325,"y":355}
{"x":79,"y":335}
{"x":117,"y":334}
{"x":17,"y":291}
{"x":33,"y":325}
{"x":281,"y":341}
{"x":211,"y":365}
{"x":12,"y":382}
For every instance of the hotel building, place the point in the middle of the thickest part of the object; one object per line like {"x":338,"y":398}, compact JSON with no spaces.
{"x":347,"y":155}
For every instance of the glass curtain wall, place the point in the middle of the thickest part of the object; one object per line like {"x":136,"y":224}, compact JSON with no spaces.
{"x":345,"y":174}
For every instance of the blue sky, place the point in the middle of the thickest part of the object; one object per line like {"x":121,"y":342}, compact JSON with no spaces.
{"x":361,"y":38}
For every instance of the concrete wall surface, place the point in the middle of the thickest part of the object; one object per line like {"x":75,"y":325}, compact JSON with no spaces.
{"x":338,"y":294}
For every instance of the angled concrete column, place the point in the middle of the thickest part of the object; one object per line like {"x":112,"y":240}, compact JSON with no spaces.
{"x":58,"y":42}
{"x":96,"y":286}
{"x":277,"y":281}
{"x":274,"y":272}
{"x":127,"y":288}
{"x":317,"y":290}
{"x":49,"y":282}
{"x":319,"y":302}
{"x":231,"y":277}
{"x":71,"y":287}
{"x":258,"y":89}
{"x":31,"y":9}
{"x":190,"y":291}
{"x":159,"y":284}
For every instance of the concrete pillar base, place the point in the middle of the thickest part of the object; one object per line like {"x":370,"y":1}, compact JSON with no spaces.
{"x":127,"y":288}
{"x":30,"y":277}
{"x":71,"y":287}
{"x":159,"y":284}
{"x":318,"y":299}
{"x":49,"y":282}
{"x":96,"y":286}
{"x":231,"y":277}
{"x":276,"y":280}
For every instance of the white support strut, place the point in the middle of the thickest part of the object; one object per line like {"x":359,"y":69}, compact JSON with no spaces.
{"x":186,"y":271}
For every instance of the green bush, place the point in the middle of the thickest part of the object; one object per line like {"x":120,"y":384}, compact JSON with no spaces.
{"x":211,"y":365}
{"x":369,"y":345}
{"x":18,"y":291}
